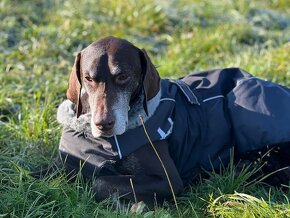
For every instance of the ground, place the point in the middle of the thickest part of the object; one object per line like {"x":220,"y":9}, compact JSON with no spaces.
{"x":38,"y":42}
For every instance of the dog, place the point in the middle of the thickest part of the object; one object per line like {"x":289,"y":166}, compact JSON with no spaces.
{"x":115,"y":96}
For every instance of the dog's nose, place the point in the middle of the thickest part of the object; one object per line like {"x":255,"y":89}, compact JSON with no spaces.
{"x":105,"y":124}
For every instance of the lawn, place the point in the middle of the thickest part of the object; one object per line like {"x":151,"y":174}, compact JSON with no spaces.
{"x":38,"y":42}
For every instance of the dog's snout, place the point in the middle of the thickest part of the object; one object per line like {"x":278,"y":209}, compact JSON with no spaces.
{"x":105,"y":124}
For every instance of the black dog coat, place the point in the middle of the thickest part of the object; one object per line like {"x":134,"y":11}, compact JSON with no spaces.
{"x":202,"y":116}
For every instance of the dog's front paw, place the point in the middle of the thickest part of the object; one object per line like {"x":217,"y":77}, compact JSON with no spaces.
{"x":52,"y":170}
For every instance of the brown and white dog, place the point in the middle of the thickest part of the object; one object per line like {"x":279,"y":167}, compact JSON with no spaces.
{"x":110,"y":78}
{"x":113,"y":82}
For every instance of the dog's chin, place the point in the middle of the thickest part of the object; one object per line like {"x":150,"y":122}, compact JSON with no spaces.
{"x":98,"y":134}
{"x":115,"y":131}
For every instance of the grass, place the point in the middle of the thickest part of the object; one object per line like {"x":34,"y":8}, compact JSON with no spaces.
{"x":38,"y":41}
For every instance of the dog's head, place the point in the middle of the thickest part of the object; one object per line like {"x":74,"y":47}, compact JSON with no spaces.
{"x":108,"y":77}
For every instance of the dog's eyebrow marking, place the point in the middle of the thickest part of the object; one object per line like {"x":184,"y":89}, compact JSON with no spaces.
{"x":116,"y":70}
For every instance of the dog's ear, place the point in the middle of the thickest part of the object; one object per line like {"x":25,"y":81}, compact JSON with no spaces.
{"x":73,"y":92}
{"x":151,"y":79}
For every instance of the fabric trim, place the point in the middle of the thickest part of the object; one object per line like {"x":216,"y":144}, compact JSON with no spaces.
{"x":164,"y":135}
{"x":212,"y":98}
{"x":167,"y":99}
{"x":241,"y":81}
{"x":191,"y":97}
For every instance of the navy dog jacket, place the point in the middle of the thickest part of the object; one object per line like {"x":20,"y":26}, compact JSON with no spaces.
{"x":202,"y":116}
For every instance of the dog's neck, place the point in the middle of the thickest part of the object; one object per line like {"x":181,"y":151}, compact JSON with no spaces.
{"x":138,"y":109}
{"x":66,"y":114}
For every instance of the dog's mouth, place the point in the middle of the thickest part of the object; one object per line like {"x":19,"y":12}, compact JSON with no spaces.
{"x":103,"y":134}
{"x":118,"y":129}
{"x":99,"y":133}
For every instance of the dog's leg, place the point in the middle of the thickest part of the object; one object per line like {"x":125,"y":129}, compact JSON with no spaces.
{"x":150,"y":189}
{"x":60,"y":166}
{"x":273,"y":161}
{"x":149,"y":180}
{"x":52,"y":170}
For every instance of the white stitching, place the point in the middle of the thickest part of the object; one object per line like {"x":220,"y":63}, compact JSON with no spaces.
{"x":167,"y":99}
{"x":212,"y":98}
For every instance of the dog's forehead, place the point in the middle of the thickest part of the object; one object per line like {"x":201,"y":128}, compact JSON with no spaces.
{"x":116,"y":54}
{"x":91,"y":56}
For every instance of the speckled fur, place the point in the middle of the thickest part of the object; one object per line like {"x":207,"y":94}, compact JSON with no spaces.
{"x":66,"y":114}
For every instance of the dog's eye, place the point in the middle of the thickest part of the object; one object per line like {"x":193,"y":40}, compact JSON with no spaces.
{"x":122,"y":78}
{"x":88,"y":78}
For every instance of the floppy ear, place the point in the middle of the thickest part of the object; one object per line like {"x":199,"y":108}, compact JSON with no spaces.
{"x":151,"y":79}
{"x":73,"y":92}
